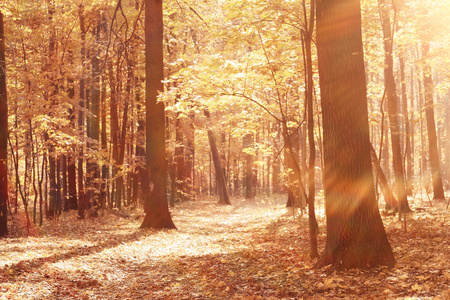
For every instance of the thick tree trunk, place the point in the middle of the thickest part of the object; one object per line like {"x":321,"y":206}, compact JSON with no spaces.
{"x":3,"y":136}
{"x":355,"y":234}
{"x":157,"y":213}
{"x":438,"y":188}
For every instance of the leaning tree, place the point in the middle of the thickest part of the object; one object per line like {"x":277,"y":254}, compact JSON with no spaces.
{"x":355,"y":234}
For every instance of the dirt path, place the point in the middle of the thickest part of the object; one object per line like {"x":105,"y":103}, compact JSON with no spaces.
{"x":246,"y":251}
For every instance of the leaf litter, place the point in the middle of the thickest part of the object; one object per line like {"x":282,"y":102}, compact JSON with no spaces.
{"x":251,"y":250}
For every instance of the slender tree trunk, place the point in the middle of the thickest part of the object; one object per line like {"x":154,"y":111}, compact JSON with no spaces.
{"x":438,"y":188}
{"x":407,"y":127}
{"x":355,"y":234}
{"x":114,"y":121}
{"x":189,"y":155}
{"x":71,"y":200}
{"x":389,"y":197}
{"x":391,"y":96}
{"x":220,"y":177}
{"x":3,"y":136}
{"x":104,"y":146}
{"x":313,"y":227}
{"x":249,"y":171}
{"x":81,"y":121}
{"x":92,"y":167}
{"x":53,"y":195}
{"x":276,"y":165}
{"x":179,"y":170}
{"x":447,"y":147}
{"x":140,"y":151}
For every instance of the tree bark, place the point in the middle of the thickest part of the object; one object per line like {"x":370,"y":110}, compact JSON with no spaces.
{"x":81,"y":119}
{"x":391,"y":95}
{"x":389,"y":197}
{"x":355,"y":234}
{"x":313,"y":227}
{"x":249,"y":188}
{"x":3,"y":136}
{"x":157,"y":213}
{"x":438,"y":188}
{"x":407,"y":123}
{"x":220,"y":176}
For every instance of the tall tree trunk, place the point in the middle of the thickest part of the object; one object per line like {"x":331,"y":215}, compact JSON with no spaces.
{"x":249,"y":166}
{"x":313,"y":227}
{"x":53,"y":195}
{"x":157,"y":213}
{"x":189,"y":156}
{"x":138,"y":179}
{"x":180,"y":172}
{"x":71,"y":202}
{"x":447,"y":147}
{"x":407,"y":127}
{"x":391,"y":96}
{"x":103,"y":196}
{"x":92,"y":167}
{"x":3,"y":137}
{"x":104,"y":146}
{"x":82,"y":206}
{"x":355,"y":234}
{"x":389,"y":197}
{"x":438,"y":188}
{"x":276,"y":165}
{"x":220,"y":176}
{"x":114,"y":121}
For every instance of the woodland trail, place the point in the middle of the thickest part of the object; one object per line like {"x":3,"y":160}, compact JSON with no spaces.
{"x":250,"y":250}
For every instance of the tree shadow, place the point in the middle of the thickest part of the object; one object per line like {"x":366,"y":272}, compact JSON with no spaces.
{"x":28,"y":265}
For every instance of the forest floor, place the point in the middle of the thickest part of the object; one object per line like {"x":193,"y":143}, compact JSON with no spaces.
{"x":250,"y":250}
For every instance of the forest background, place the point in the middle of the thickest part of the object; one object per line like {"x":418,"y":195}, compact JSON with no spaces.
{"x":235,"y":96}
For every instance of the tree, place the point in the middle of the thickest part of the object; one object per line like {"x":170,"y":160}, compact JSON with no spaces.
{"x":355,"y":234}
{"x":3,"y":136}
{"x":156,"y":204}
{"x":391,"y":95}
{"x":438,"y":188}
{"x":220,"y":176}
{"x":313,"y":227}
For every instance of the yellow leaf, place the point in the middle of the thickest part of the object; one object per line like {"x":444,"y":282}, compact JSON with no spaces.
{"x":328,"y":283}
